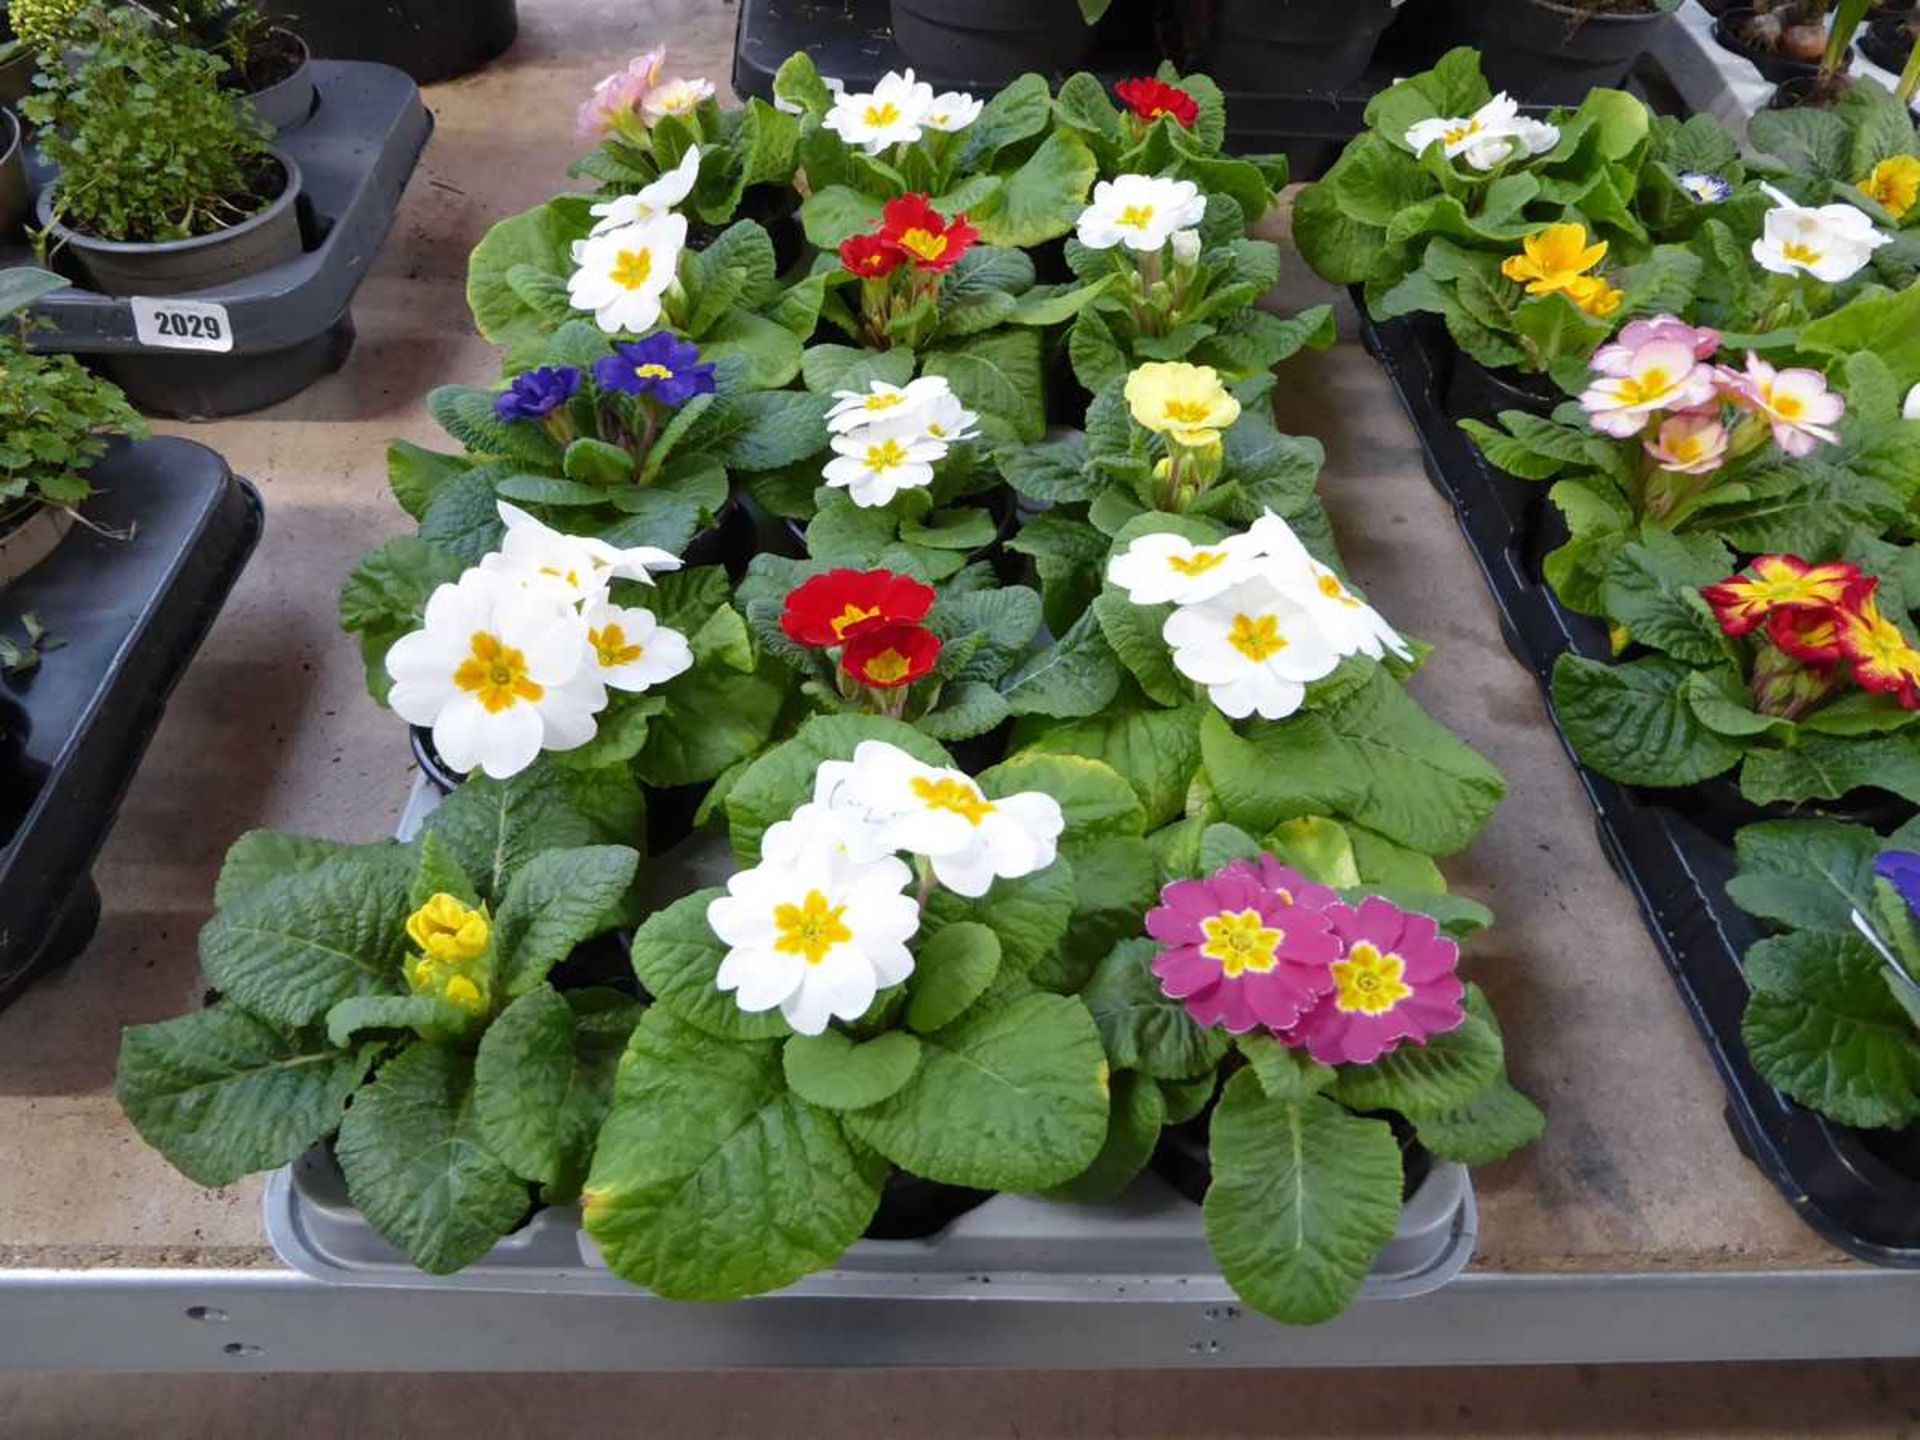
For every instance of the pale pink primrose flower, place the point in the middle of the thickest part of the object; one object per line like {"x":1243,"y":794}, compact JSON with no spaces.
{"x":1660,"y":375}
{"x":1795,"y":402}
{"x":1694,"y":443}
{"x":620,"y":95}
{"x":1617,"y":358}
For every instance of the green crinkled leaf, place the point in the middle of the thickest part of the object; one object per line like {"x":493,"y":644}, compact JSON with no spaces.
{"x":1492,"y":1125}
{"x":1133,"y":632}
{"x":1030,"y":915}
{"x":1823,"y":1025}
{"x":1140,"y":1026}
{"x":292,"y":948}
{"x":416,"y":1165}
{"x":1825,"y":767}
{"x":677,"y":957}
{"x":1810,"y":874}
{"x":221,"y":1093}
{"x":715,"y":717}
{"x":262,"y":856}
{"x":1157,"y":751}
{"x":1304,"y":1196}
{"x":712,"y":1180}
{"x":354,"y":1017}
{"x":828,"y":368}
{"x":1285,"y":1073}
{"x":1076,"y":676}
{"x":541,"y":1090}
{"x":560,"y":899}
{"x":1651,"y":586}
{"x":1009,"y":1097}
{"x":1373,"y":755}
{"x":1042,"y":199}
{"x":998,"y":374}
{"x":494,"y":827}
{"x":832,"y":1071}
{"x":1423,"y":1079}
{"x":1093,"y":796}
{"x":1115,"y":880}
{"x":951,"y":971}
{"x":1632,"y":722}
{"x":1134,"y":1120}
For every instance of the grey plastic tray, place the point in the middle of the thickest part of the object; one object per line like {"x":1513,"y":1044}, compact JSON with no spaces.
{"x":1149,"y":1246}
{"x":289,"y":324}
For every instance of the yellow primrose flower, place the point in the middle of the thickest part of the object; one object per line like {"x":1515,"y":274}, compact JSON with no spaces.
{"x":1186,"y":403}
{"x":449,"y":932}
{"x":1595,"y":296}
{"x":1554,"y":259}
{"x":1894,"y":184}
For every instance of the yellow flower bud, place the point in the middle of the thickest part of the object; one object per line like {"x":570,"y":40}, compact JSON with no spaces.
{"x":449,"y":932}
{"x":463,"y":992}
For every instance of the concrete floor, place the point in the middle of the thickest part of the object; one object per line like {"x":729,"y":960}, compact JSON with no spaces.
{"x":272,"y":727}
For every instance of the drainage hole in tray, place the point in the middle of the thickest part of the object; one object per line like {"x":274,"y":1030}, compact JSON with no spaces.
{"x":243,"y":1352}
{"x":207,"y":1313}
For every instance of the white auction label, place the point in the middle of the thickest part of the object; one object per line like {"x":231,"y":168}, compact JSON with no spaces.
{"x":182,"y":324}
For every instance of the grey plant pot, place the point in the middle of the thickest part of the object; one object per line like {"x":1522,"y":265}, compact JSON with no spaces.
{"x":182,"y":267}
{"x":15,"y":201}
{"x":289,"y":104}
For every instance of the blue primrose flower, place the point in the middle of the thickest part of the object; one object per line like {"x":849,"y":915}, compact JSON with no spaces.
{"x":1901,"y":869}
{"x":661,"y":365}
{"x":537,"y":394}
{"x":1705,"y":189}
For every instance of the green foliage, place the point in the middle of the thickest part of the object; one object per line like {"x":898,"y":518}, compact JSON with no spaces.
{"x":56,"y":420}
{"x":148,"y":146}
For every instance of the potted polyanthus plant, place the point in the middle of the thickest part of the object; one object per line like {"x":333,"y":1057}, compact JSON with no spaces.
{"x":164,"y":186}
{"x":56,"y":419}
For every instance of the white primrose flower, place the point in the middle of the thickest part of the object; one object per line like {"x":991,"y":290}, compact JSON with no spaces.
{"x":675,"y":97}
{"x":926,"y":407}
{"x":1496,"y":132}
{"x":574,"y":569}
{"x":631,"y":650}
{"x":1255,"y":648}
{"x":942,"y":416}
{"x":654,"y":200}
{"x":875,"y":463}
{"x":818,"y":936}
{"x":621,"y":275}
{"x":1142,"y":212}
{"x":499,"y":673}
{"x":943,"y":815}
{"x":1349,"y":624}
{"x":1911,"y":410}
{"x":817,"y":828}
{"x":1161,"y":567}
{"x":1186,"y":246}
{"x":1828,"y":242}
{"x":891,"y":113}
{"x":952,"y":110}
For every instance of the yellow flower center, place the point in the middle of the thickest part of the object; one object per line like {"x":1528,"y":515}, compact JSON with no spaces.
{"x":1369,"y":981}
{"x":957,"y":796}
{"x":496,"y":673}
{"x":652,"y":371}
{"x":1646,"y":388}
{"x":1136,"y":217}
{"x":851,"y":616}
{"x":810,"y":929}
{"x":632,"y":268}
{"x":885,"y":456}
{"x":881,"y":116}
{"x":1787,"y":407}
{"x":447,"y":931}
{"x":1462,"y":132}
{"x":1800,"y":253}
{"x":611,"y":647}
{"x":1257,"y":639}
{"x":1241,"y":942}
{"x":1187,"y":412}
{"x":923,"y":243}
{"x":888,"y":667}
{"x":572,"y":577}
{"x":1199,"y":563}
{"x":884,"y":402}
{"x":1334,"y":590}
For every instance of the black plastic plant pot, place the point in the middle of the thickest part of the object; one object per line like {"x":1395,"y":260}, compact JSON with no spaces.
{"x":916,"y":1209}
{"x":1475,"y":392}
{"x":1729,"y":33}
{"x":16,"y":202}
{"x":1859,"y":1189}
{"x":1715,"y":8}
{"x":192,"y":343}
{"x":776,"y":208}
{"x":1545,"y":52}
{"x":1182,"y":1159}
{"x":16,"y":74}
{"x":128,"y":614}
{"x":432,"y":40}
{"x":1888,"y":41}
{"x":990,"y":41}
{"x":1310,"y":46}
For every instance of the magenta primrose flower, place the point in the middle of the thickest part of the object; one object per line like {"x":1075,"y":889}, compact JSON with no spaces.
{"x":1242,"y":952}
{"x":1395,"y":981}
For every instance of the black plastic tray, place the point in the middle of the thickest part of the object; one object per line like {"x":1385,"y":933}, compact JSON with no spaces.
{"x":127,"y":616}
{"x":291,"y":324}
{"x":1848,"y":1184}
{"x":852,"y":40}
